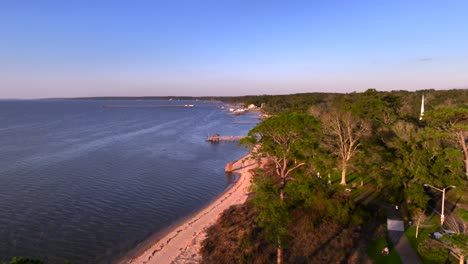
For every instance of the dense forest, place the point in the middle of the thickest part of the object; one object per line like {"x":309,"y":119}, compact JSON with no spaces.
{"x":338,"y":166}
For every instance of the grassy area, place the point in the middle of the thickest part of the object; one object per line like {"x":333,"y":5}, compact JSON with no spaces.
{"x":376,"y":248}
{"x":353,"y":182}
{"x":458,"y":195}
{"x":429,"y":250}
{"x":462,"y":213}
{"x":431,"y":225}
{"x":350,"y":179}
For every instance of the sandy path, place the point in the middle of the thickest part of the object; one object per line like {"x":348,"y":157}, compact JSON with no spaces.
{"x":182,"y":244}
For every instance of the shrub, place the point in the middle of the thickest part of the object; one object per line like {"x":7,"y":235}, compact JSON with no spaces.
{"x":433,"y":251}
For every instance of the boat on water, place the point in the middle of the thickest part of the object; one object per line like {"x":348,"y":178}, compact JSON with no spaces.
{"x":239,"y":111}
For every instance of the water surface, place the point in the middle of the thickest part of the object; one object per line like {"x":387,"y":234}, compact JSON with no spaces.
{"x":86,"y":183}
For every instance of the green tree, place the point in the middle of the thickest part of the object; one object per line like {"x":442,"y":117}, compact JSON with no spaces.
{"x":286,"y":141}
{"x":415,"y":159}
{"x":417,"y":200}
{"x":459,"y":244}
{"x":450,"y":124}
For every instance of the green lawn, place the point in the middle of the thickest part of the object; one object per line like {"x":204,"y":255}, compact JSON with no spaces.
{"x":458,"y":195}
{"x":429,"y":250}
{"x":462,"y":213}
{"x":376,"y":248}
{"x":431,"y":225}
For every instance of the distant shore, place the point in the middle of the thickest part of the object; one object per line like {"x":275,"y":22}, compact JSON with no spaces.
{"x":182,"y":243}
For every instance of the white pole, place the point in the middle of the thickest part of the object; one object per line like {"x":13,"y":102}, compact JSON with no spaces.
{"x":422,"y":108}
{"x":442,"y":216}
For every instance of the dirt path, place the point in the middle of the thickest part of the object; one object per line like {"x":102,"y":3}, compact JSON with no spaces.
{"x":397,"y":236}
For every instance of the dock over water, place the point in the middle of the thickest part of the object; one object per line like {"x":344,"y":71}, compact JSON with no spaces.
{"x":218,"y":138}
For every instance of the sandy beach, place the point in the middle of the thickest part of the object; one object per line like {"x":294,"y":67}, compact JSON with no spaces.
{"x":182,"y":244}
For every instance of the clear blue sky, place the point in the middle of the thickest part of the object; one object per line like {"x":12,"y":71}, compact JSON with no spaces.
{"x":229,"y":47}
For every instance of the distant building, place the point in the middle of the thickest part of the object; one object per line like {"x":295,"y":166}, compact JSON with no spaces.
{"x":252,"y":106}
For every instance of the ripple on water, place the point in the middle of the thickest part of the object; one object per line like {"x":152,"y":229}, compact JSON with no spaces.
{"x":86,"y":184}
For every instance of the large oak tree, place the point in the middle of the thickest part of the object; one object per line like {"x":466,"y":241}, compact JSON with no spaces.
{"x":342,"y":135}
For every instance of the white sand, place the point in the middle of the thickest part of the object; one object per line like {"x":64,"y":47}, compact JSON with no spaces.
{"x":183,"y":243}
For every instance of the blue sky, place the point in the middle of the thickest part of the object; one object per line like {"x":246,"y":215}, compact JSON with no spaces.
{"x":229,"y":47}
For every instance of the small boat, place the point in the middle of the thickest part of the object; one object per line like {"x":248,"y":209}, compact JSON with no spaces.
{"x":238,"y":112}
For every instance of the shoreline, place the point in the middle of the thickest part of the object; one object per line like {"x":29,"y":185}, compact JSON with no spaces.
{"x":143,"y":246}
{"x":181,"y":243}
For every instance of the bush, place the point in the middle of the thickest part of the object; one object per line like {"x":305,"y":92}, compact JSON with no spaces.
{"x":314,"y":237}
{"x":20,"y":260}
{"x":432,"y":251}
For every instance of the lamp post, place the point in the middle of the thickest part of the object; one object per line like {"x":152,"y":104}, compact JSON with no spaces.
{"x":442,"y":216}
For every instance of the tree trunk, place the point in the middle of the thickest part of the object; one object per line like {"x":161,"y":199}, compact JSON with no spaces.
{"x":279,"y":249}
{"x":417,"y":229}
{"x":282,"y":192}
{"x":462,"y":259}
{"x":465,"y":150}
{"x":279,"y":253}
{"x":343,"y":175}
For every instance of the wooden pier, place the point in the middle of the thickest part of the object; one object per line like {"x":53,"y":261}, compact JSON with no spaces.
{"x":218,"y":138}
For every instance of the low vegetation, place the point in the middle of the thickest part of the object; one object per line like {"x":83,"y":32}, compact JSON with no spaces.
{"x":21,"y":260}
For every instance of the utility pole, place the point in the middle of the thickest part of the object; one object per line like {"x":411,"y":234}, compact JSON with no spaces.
{"x":442,"y":216}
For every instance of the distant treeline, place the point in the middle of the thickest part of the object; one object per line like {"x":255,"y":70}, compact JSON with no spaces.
{"x":149,"y":98}
{"x":301,"y":102}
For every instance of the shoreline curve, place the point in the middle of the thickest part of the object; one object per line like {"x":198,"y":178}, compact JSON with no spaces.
{"x":182,"y":243}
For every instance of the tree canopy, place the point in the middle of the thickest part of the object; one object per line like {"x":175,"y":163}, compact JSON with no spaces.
{"x":373,"y":136}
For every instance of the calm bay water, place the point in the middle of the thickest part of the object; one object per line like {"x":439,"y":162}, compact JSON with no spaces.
{"x":86,"y":183}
